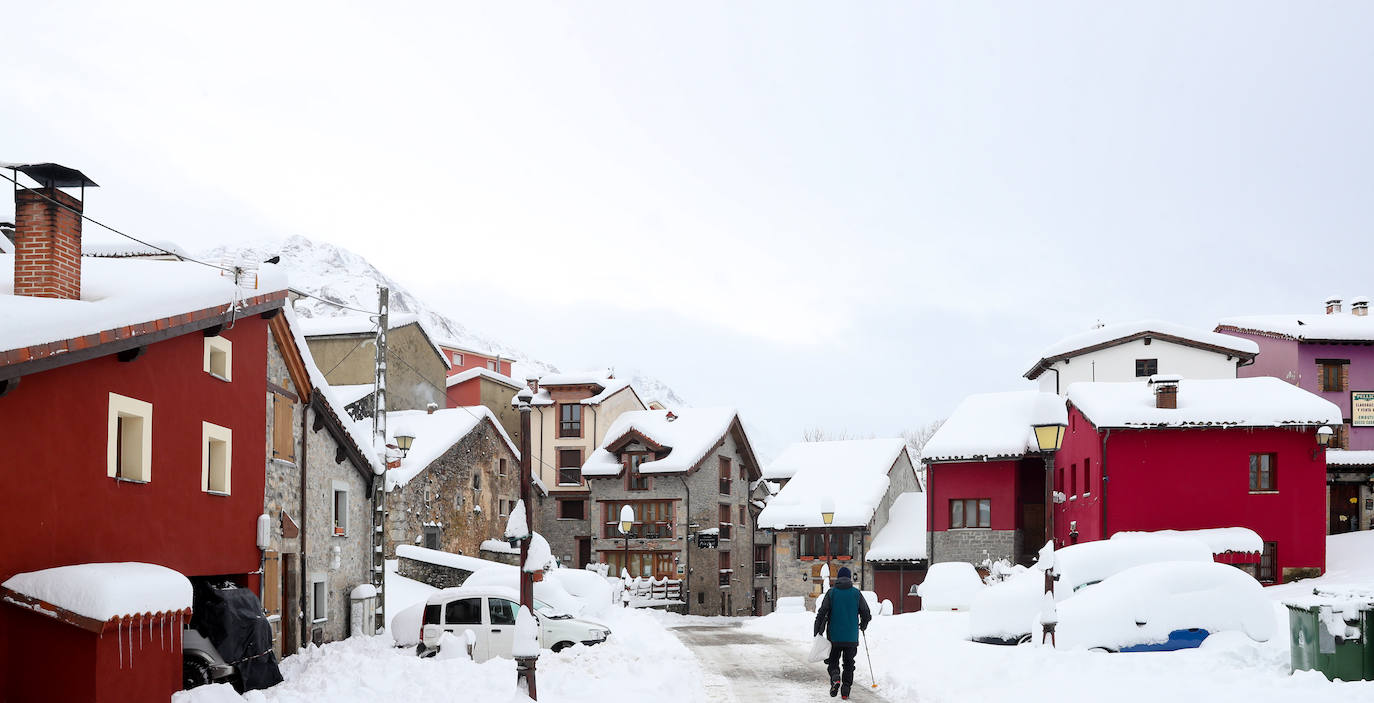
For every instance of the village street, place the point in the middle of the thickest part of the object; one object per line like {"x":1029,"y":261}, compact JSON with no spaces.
{"x":739,"y":666}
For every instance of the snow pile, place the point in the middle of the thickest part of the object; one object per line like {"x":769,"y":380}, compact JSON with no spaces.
{"x":1340,"y":327}
{"x":365,"y":324}
{"x":590,"y":587}
{"x":405,"y":605}
{"x":1007,"y":610}
{"x":540,"y":556}
{"x":518,"y":525}
{"x":363,"y":590}
{"x":989,"y":426}
{"x":106,"y":590}
{"x":803,"y":456}
{"x":1143,"y":604}
{"x":526,"y":635}
{"x":904,"y":535}
{"x":791,"y":604}
{"x":950,"y":585}
{"x":1123,"y":331}
{"x":435,"y":433}
{"x":1219,"y":539}
{"x":688,"y":433}
{"x":497,"y":546}
{"x":120,"y":292}
{"x":1229,"y":402}
{"x":1349,"y":565}
{"x":213,"y":693}
{"x":1087,"y":563}
{"x":849,"y":477}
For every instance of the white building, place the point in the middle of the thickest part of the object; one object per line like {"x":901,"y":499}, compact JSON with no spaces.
{"x":1137,"y":350}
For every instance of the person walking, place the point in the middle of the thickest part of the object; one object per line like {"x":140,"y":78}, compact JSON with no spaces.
{"x":842,"y":614}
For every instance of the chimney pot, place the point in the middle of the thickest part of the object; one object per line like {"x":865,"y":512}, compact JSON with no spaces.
{"x":1360,"y":307}
{"x":49,"y":244}
{"x":1166,"y":391}
{"x":1333,"y":305}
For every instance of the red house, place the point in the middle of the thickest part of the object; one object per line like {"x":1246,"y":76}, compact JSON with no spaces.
{"x":1194,"y":454}
{"x":131,"y":393}
{"x":463,"y":358}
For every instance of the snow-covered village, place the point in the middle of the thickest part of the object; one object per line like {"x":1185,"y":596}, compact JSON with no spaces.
{"x":731,"y":352}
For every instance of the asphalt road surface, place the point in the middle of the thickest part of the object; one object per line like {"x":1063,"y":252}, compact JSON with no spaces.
{"x":740,"y":667}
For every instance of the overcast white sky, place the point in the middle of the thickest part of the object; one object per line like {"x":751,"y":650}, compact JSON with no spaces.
{"x":838,"y":214}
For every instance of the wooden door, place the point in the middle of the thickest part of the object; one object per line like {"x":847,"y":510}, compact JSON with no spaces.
{"x":1345,"y":508}
{"x":1032,"y":529}
{"x":584,"y":552}
{"x":664,"y":568}
{"x":291,"y":603}
{"x":271,"y":595}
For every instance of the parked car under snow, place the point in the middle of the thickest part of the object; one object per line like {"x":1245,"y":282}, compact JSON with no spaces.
{"x":1165,"y":606}
{"x":949,"y":585}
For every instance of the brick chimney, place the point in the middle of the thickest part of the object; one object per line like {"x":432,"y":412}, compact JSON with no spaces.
{"x":47,"y":232}
{"x":1360,"y":307}
{"x":1166,"y":391}
{"x":1333,"y":305}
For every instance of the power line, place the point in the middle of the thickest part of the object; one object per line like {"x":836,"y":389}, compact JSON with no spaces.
{"x":327,"y":301}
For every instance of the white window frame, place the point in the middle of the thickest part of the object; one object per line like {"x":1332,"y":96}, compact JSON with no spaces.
{"x":457,"y":359}
{"x":339,"y":487}
{"x":210,"y":431}
{"x":319,"y":585}
{"x":139,"y":410}
{"x":224,"y":346}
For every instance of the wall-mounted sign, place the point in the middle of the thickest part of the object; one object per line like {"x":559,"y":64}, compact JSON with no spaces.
{"x":1362,"y":408}
{"x":708,"y":540}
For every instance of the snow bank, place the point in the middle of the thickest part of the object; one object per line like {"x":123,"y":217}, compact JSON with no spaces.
{"x":1227,"y":402}
{"x":1220,"y":539}
{"x":689,"y":435}
{"x":990,"y":426}
{"x":213,"y":693}
{"x":590,"y":587}
{"x":828,"y":455}
{"x":1008,"y":609}
{"x":949,"y":585}
{"x":435,"y":433}
{"x":904,"y":535}
{"x":106,"y":590}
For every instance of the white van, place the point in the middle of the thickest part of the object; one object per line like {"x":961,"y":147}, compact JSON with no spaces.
{"x":489,"y":611}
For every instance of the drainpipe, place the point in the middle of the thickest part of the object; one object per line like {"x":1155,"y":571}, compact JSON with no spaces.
{"x":687,"y":544}
{"x":305,"y":571}
{"x":1102,"y":466}
{"x":1056,"y":378}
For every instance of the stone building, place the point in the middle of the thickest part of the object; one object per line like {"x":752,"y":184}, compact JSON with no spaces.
{"x":455,"y":487}
{"x":322,"y":493}
{"x":344,"y":348}
{"x":571,"y":415}
{"x":856,"y":480}
{"x":686,"y":475}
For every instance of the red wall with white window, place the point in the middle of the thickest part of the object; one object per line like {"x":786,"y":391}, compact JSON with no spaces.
{"x":1186,"y":479}
{"x":462,"y":361}
{"x":995,"y":480}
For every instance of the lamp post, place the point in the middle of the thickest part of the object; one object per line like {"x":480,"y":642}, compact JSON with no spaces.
{"x":404,"y":442}
{"x":1324,"y":435}
{"x":525,"y":666}
{"x":1049,"y":437}
{"x":827,"y":517}
{"x":627,"y":523}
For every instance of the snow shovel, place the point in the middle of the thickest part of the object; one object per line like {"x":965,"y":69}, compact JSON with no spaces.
{"x":869,"y":658}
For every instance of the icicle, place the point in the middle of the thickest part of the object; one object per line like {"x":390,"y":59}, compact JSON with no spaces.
{"x":162,"y":633}
{"x":120,"y":629}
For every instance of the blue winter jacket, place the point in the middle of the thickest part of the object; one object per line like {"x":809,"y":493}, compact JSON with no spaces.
{"x":843,"y":612}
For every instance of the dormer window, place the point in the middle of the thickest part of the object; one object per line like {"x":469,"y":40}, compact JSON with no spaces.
{"x":635,"y":481}
{"x":219,"y":357}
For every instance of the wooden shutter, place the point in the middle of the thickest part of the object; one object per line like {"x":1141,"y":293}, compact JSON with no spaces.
{"x":271,"y":583}
{"x":283,"y":439}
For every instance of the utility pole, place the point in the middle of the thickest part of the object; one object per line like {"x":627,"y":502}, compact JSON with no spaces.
{"x":525,"y":666}
{"x":379,"y":440}
{"x":379,"y":379}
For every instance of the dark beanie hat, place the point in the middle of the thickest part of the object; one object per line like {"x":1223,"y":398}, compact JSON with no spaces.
{"x":844,"y":573}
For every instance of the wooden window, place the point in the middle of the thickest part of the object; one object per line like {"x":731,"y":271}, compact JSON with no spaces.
{"x":642,"y":564}
{"x":570,"y":420}
{"x":129,"y":439}
{"x":1263,"y":472}
{"x":653,"y":519}
{"x":215,"y":458}
{"x":572,"y":509}
{"x":725,"y":526}
{"x":635,"y":481}
{"x":725,"y":476}
{"x":283,"y":422}
{"x":819,"y":544}
{"x":219,"y":358}
{"x":726,"y":570}
{"x":761,"y":560}
{"x":1146,"y":367}
{"x":501,"y":508}
{"x":1268,"y":566}
{"x":340,"y":508}
{"x":1333,"y":374}
{"x":501,"y":467}
{"x":970,"y":512}
{"x":569,"y":467}
{"x":477,"y":482}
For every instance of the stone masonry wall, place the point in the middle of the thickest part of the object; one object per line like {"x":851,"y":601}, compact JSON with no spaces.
{"x":436,"y":575}
{"x":974,"y":546}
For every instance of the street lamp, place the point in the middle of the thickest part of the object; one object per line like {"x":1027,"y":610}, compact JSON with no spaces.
{"x":404,"y":442}
{"x":827,"y":517}
{"x":1324,"y":435}
{"x":1049,"y":437}
{"x":627,"y":523}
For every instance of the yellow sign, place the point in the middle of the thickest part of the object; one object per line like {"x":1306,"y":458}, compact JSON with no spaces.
{"x":1362,"y":408}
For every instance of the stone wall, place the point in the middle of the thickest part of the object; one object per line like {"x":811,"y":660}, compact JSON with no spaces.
{"x":436,"y":575}
{"x":975,"y":545}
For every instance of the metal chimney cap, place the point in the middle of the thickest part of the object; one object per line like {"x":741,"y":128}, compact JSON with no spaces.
{"x":52,"y":175}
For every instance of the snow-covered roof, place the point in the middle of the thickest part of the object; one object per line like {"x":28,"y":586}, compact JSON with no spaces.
{"x":850,"y":452}
{"x":351,"y":393}
{"x":576,"y":378}
{"x":851,"y":473}
{"x":990,"y":426}
{"x":434,"y":433}
{"x":1218,"y":539}
{"x":1227,"y":402}
{"x":441,"y":558}
{"x":1350,"y":457}
{"x":469,"y":374}
{"x":1119,"y":333}
{"x":121,"y":292}
{"x":363,"y":324}
{"x":1340,"y":327}
{"x":455,"y":345}
{"x":903,"y":538}
{"x":689,"y":434}
{"x":108,"y":590}
{"x":609,"y":387}
{"x":130,"y":248}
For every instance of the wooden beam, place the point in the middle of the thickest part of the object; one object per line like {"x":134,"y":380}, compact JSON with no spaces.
{"x":43,"y":607}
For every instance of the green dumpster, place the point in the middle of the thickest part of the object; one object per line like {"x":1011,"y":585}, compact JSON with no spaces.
{"x":1332,"y":632}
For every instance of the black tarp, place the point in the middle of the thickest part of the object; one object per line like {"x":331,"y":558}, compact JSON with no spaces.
{"x":233,"y":620}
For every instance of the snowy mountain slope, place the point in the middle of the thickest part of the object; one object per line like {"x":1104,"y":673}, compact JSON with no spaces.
{"x":342,"y":276}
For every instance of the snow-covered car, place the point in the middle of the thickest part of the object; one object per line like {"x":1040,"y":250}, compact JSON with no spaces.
{"x":1009,"y":612}
{"x":949,"y":585}
{"x":489,"y":612}
{"x":1165,"y":606}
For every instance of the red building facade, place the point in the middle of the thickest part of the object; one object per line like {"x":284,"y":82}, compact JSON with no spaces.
{"x":463,"y":359}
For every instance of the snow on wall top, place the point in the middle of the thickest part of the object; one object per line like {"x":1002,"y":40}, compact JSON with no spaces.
{"x":853,"y":474}
{"x":1350,"y":457}
{"x":352,"y":393}
{"x":990,"y":426}
{"x":469,"y":374}
{"x":1107,"y":334}
{"x":108,"y":590}
{"x":1341,"y":326}
{"x":120,"y":292}
{"x":1219,"y":539}
{"x":1229,"y":402}
{"x":800,"y":455}
{"x":441,"y":558}
{"x":434,"y":434}
{"x":689,"y":437}
{"x":903,"y":538}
